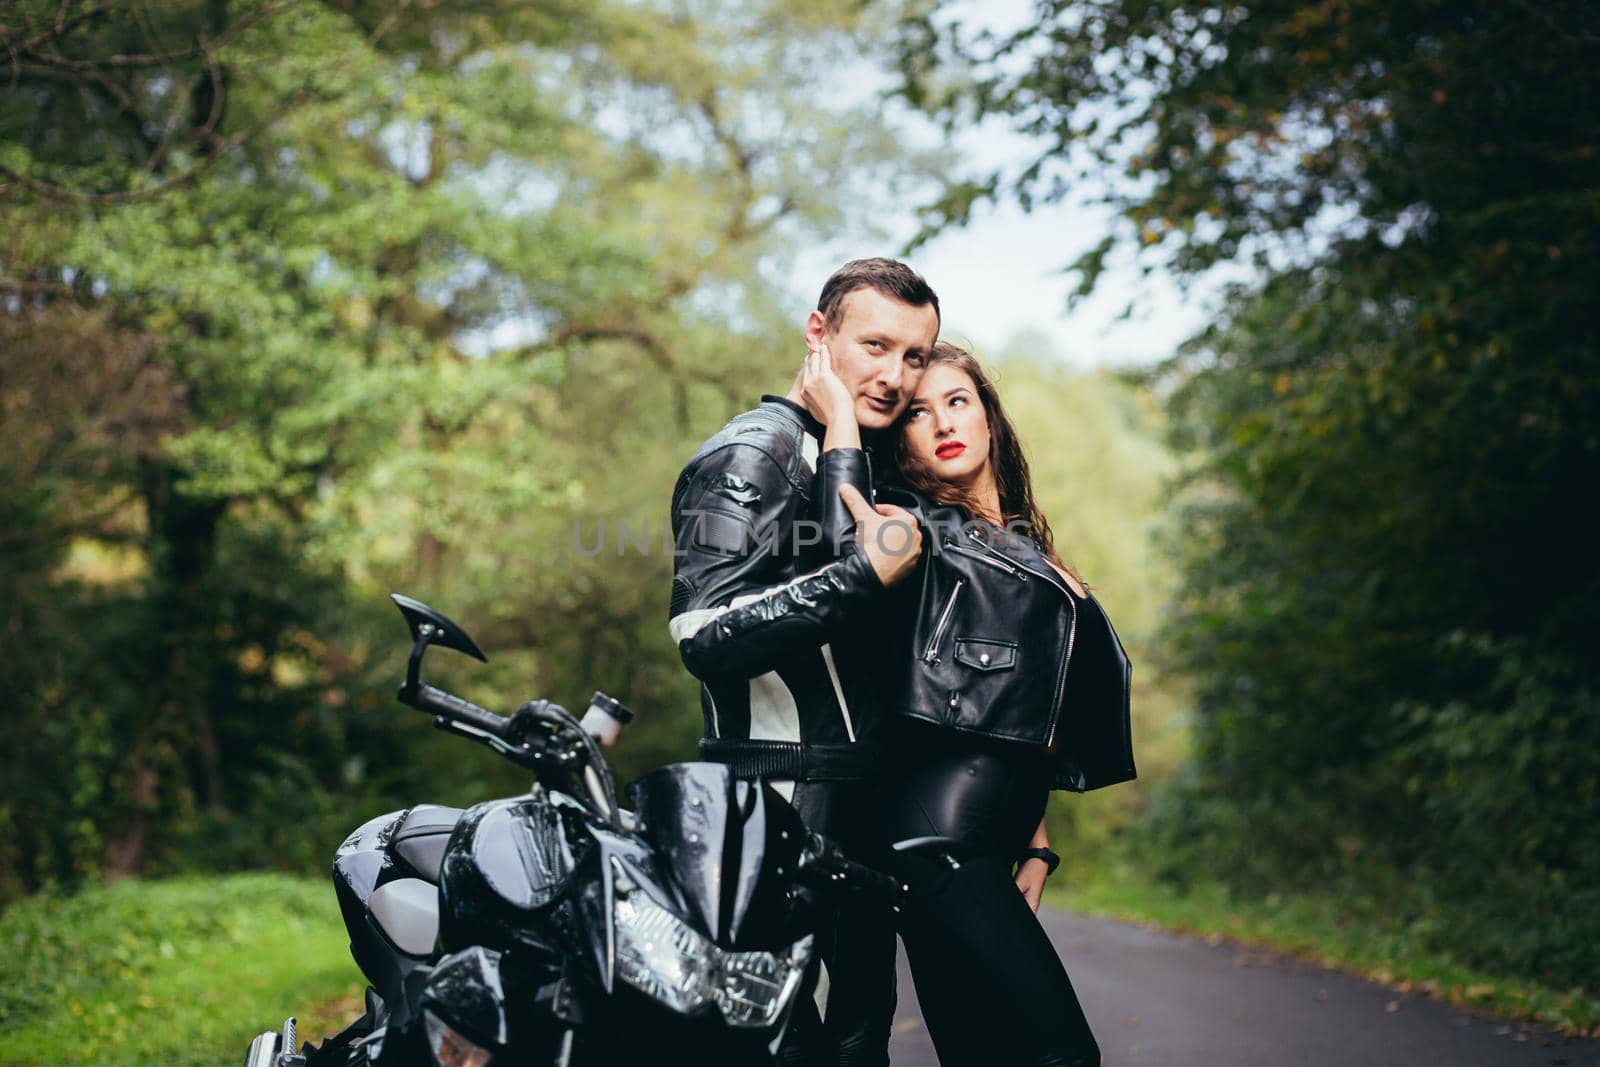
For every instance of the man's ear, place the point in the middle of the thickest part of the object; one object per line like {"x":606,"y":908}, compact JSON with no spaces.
{"x":816,"y":328}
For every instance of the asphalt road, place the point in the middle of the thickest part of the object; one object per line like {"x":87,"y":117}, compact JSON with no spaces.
{"x":1161,"y":999}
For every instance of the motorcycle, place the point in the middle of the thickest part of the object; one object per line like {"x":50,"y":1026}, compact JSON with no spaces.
{"x":558,"y":927}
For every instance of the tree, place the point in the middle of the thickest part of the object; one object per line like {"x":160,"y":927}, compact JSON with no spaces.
{"x":371,"y":262}
{"x":1278,"y":131}
{"x":1389,"y":598}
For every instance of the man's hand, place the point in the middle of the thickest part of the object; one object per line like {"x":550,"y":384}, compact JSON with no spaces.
{"x":889,"y":535}
{"x":1030,"y":880}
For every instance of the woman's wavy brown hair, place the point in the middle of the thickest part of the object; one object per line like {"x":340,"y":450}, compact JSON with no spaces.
{"x":1011,"y":475}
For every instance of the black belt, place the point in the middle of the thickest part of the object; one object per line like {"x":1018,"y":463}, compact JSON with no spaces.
{"x":790,"y":760}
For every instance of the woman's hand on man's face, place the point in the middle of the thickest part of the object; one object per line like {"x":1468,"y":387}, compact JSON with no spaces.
{"x":826,"y":395}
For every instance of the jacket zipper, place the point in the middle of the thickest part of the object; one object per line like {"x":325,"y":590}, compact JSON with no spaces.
{"x":1072,"y":625}
{"x":984,"y":557}
{"x":1072,"y":631}
{"x":991,"y":555}
{"x":931,"y":653}
{"x":1061,"y":682}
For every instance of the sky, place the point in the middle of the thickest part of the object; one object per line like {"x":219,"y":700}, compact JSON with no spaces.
{"x":1003,"y":274}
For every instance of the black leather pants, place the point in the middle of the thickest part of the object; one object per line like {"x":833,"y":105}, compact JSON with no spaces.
{"x":854,"y":946}
{"x":989,"y":982}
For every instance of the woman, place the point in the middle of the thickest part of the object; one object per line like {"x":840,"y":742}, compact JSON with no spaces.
{"x":1017,"y":685}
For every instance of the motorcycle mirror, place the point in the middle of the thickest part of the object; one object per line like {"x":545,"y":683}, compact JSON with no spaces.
{"x":444,"y":632}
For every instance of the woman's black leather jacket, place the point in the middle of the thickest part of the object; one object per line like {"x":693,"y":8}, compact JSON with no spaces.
{"x":1001,"y":649}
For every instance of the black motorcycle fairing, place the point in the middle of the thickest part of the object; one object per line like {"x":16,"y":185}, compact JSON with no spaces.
{"x":366,"y":860}
{"x":722,"y":838}
{"x":465,"y":990}
{"x":595,"y":874}
{"x":362,"y":856}
{"x":506,"y":860}
{"x":774,"y":838}
{"x":520,"y":849}
{"x":420,"y":838}
{"x":482,"y":994}
{"x":683,"y":810}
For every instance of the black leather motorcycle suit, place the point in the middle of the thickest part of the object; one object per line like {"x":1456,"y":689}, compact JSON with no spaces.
{"x":986,"y":973}
{"x":988,"y":720}
{"x":777,"y":622}
{"x":763,"y":613}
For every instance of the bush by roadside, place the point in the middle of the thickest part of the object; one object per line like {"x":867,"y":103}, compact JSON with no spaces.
{"x":176,"y":973}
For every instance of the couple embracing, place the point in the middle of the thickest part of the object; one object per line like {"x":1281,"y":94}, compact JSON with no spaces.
{"x":885,"y":632}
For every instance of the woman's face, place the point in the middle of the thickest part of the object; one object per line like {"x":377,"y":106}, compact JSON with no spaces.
{"x":946,"y":428}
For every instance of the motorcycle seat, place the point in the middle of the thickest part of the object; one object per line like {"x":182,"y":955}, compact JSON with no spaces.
{"x":421,"y":837}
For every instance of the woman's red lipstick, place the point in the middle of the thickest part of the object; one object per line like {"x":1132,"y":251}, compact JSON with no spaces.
{"x":950,"y":449}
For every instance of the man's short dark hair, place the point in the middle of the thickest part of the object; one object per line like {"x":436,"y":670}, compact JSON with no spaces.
{"x":888,"y":276}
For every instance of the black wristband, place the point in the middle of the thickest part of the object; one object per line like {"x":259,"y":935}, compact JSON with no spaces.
{"x":1051,"y":860}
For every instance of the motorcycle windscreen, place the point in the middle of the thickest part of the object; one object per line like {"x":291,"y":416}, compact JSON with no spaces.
{"x":728,"y":843}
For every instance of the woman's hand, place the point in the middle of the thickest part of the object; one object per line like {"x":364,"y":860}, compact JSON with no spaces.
{"x":1033,"y":872}
{"x":1030,"y":880}
{"x":829,"y":399}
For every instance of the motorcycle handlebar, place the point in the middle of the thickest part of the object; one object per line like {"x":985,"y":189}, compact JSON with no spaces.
{"x":935,"y":858}
{"x":462,"y":711}
{"x":513,"y":738}
{"x":860,"y":876}
{"x":829,"y":865}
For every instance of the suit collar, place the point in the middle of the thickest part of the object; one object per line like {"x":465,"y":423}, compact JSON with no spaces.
{"x":812,"y":426}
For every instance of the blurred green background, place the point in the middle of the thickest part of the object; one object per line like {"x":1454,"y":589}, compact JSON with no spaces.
{"x":306,"y":302}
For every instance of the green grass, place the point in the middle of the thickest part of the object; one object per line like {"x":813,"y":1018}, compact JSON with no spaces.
{"x":1326,"y":932}
{"x":173,"y":972}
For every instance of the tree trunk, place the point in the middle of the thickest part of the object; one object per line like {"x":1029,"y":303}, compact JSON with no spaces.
{"x":125,"y":852}
{"x":182,"y":546}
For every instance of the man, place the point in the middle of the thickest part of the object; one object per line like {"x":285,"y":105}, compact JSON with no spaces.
{"x":776,"y":633}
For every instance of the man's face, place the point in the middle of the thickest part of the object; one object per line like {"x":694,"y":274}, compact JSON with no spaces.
{"x":879,"y":347}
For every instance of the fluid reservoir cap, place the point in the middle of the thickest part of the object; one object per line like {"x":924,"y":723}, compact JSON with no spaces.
{"x":611,"y":706}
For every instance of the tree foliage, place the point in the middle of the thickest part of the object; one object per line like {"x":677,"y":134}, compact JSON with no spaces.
{"x":301,"y":302}
{"x":1389,"y":595}
{"x":1225,"y":130}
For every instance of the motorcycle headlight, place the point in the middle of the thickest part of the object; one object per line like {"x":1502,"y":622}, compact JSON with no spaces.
{"x":666,"y":959}
{"x":450,"y":1048}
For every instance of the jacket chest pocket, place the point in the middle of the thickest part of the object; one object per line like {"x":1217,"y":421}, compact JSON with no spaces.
{"x":985,"y":655}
